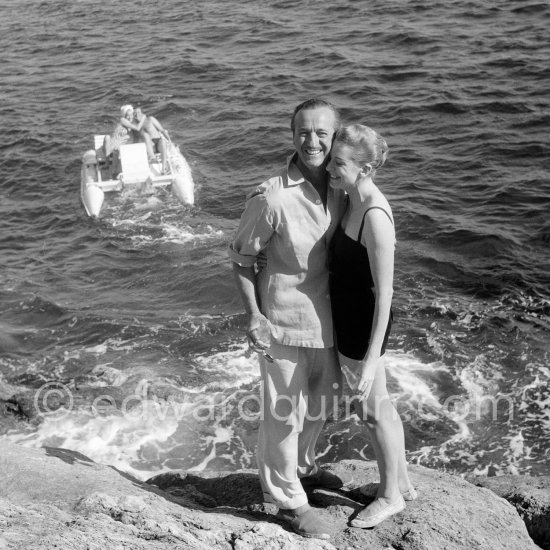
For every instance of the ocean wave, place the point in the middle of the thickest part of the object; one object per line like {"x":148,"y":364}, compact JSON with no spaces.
{"x":458,"y":89}
{"x":532,"y":8}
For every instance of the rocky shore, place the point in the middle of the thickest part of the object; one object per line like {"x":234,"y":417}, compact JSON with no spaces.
{"x":59,"y":499}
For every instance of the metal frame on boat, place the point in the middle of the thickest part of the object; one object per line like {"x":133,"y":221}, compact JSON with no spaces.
{"x":129,"y":167}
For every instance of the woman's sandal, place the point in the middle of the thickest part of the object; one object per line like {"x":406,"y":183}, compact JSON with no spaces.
{"x":376,"y":512}
{"x":370,"y":490}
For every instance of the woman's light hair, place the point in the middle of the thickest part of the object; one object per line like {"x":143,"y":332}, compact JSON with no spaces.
{"x":368,"y":145}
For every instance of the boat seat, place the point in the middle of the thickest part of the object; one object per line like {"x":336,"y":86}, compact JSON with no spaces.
{"x":98,"y":141}
{"x":133,"y":160}
{"x":99,"y":149}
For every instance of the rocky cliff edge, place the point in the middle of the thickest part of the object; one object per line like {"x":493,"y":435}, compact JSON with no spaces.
{"x":59,"y":499}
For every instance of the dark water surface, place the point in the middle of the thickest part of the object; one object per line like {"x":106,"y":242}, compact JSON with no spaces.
{"x":142,"y":301}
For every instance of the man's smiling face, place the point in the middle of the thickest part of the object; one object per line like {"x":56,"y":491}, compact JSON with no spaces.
{"x":313,"y":132}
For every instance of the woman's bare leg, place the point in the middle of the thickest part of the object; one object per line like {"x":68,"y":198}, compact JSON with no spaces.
{"x":386,"y":431}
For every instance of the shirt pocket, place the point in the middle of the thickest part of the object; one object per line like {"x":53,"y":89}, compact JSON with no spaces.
{"x":297,"y":235}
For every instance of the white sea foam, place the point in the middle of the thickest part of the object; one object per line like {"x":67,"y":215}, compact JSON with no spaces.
{"x":186,"y":234}
{"x":221,"y":435}
{"x":210,"y":417}
{"x":143,"y":426}
{"x":117,"y":440}
{"x":230,"y":368}
{"x":111,"y":344}
{"x":412,"y":375}
{"x":421,"y":397}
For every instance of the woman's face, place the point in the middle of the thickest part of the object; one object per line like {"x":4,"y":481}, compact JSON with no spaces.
{"x":129,"y":115}
{"x":343,"y":169}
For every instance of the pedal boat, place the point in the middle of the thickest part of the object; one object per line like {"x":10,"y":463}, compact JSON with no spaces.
{"x":98,"y":174}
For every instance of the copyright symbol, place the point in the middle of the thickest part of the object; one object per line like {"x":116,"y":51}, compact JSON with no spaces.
{"x":53,"y":397}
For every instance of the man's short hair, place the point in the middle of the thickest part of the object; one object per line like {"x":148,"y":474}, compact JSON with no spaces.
{"x":314,"y":103}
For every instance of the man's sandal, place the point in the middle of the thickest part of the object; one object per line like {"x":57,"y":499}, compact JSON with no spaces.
{"x":305,"y":522}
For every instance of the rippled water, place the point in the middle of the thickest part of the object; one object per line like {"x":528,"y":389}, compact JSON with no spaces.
{"x":141,"y":303}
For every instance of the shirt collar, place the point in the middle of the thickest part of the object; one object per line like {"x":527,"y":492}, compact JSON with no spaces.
{"x":293,"y":174}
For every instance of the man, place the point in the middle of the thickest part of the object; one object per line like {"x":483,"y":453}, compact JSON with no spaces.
{"x":290,"y":219}
{"x":154,"y":135}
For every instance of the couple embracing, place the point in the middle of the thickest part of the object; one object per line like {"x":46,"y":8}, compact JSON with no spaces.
{"x":326,"y":239}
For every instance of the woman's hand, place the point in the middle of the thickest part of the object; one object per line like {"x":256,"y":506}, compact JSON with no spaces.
{"x":368,"y":372}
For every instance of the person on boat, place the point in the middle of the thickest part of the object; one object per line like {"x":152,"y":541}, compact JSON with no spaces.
{"x":290,"y":218}
{"x":361,"y":286}
{"x":126,"y":130}
{"x":155,"y":137}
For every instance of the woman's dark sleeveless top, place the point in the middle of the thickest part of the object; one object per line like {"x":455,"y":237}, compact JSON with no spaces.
{"x":351,"y":293}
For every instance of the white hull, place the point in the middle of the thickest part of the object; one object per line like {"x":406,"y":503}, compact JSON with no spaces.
{"x":92,"y":198}
{"x":183,"y":186}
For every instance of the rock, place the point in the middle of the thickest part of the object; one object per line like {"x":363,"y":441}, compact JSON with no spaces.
{"x":530,"y":496}
{"x":32,"y":405}
{"x":7,"y":390}
{"x":239,"y":490}
{"x":9,"y":404}
{"x":447,"y":514}
{"x":55,"y":498}
{"x":60,"y":499}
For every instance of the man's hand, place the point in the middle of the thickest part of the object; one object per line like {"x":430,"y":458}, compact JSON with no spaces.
{"x":258,"y":332}
{"x":261,"y":260}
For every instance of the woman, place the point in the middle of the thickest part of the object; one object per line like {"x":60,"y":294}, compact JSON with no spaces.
{"x":361,"y":268}
{"x":126,"y":131}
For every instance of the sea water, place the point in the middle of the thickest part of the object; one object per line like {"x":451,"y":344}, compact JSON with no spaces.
{"x":128,"y":331}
